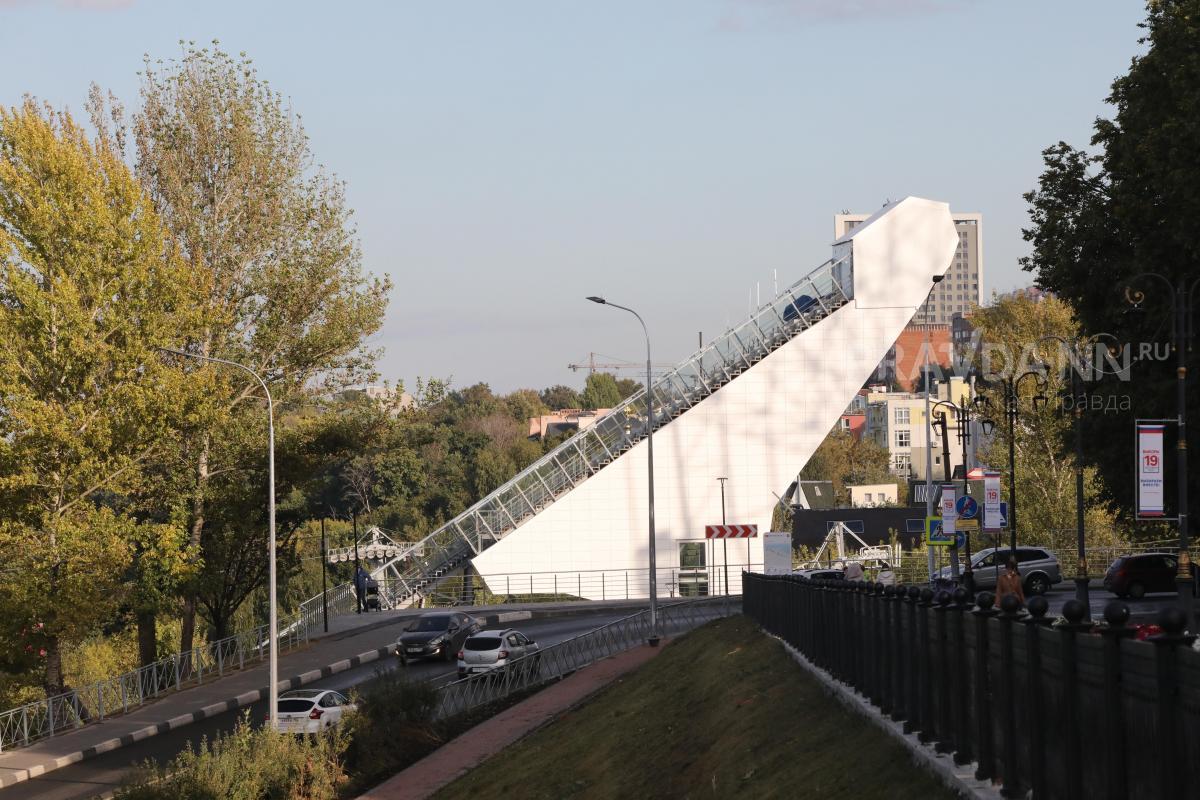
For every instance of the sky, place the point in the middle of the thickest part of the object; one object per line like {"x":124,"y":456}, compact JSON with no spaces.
{"x":681,"y":157}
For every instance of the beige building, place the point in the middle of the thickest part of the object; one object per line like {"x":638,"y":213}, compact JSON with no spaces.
{"x":896,"y":421}
{"x":962,"y":288}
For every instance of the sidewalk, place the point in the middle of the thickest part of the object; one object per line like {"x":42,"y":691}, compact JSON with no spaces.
{"x":352,"y":640}
{"x":485,"y":740}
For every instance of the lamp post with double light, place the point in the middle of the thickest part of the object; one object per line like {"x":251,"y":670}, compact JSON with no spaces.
{"x":273,"y":615}
{"x":654,"y":635}
{"x":1012,"y":411}
{"x":1183,"y":299}
{"x":964,"y":413}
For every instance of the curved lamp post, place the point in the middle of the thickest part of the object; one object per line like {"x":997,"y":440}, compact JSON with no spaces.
{"x":1078,"y":351}
{"x":1183,"y":302}
{"x":653,"y":640}
{"x":1012,"y":410}
{"x":273,"y":622}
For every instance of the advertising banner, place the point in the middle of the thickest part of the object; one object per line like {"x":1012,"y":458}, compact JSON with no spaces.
{"x":991,"y":501}
{"x":1150,"y":469}
{"x":949,"y":514}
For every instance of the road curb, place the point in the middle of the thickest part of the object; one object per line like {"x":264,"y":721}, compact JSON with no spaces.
{"x":243,"y":699}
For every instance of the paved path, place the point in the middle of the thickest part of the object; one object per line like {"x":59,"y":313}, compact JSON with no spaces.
{"x":488,"y":738}
{"x":353,"y":640}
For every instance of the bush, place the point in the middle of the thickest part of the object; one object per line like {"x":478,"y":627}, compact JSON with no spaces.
{"x":247,"y":764}
{"x":394,"y":728}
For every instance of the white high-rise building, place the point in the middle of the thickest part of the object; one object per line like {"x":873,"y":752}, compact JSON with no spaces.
{"x":963,"y":286}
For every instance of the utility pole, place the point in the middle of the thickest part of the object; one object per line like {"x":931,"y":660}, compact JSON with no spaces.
{"x":324,"y":579}
{"x":724,"y":541}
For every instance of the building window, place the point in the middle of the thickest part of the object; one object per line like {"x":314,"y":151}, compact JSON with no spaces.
{"x":902,"y":415}
{"x":903,"y":464}
{"x":903,"y":439}
{"x":692,"y":555}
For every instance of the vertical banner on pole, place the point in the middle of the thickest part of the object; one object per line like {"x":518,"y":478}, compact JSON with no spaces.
{"x":949,"y":514}
{"x":991,"y":501}
{"x":1150,"y":469}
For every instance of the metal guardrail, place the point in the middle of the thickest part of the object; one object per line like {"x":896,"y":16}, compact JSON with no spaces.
{"x":568,"y":656}
{"x":116,"y":695}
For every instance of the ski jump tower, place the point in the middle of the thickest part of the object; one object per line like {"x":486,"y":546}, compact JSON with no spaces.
{"x":752,"y":406}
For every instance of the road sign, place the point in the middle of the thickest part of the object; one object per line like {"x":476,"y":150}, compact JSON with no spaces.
{"x":1003,"y":514}
{"x":730,"y":531}
{"x":960,"y":538}
{"x":967,"y":524}
{"x":935,"y":536}
{"x":967,"y":507}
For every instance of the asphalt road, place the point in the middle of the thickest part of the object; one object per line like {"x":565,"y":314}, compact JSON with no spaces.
{"x":103,"y":773}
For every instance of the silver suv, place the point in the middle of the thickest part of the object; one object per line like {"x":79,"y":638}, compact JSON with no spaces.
{"x":1038,"y":568}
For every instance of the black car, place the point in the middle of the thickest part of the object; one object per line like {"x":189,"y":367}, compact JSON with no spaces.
{"x":438,"y":634}
{"x":1134,"y":576}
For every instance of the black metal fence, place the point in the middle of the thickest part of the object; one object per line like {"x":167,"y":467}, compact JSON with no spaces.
{"x":1063,"y":709}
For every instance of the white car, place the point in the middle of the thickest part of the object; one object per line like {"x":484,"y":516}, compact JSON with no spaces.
{"x":494,"y":650}
{"x":312,"y":710}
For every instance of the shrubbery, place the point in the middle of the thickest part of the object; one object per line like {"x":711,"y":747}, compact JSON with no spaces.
{"x":248,"y":764}
{"x":394,"y":727}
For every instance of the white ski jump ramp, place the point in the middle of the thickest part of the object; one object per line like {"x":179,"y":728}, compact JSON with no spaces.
{"x":757,"y":430}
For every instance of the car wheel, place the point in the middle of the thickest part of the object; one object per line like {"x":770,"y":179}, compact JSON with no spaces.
{"x":1137,"y":591}
{"x":1037,"y":584}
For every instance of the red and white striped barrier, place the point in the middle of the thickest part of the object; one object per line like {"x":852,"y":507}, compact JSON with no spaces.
{"x":730,"y":531}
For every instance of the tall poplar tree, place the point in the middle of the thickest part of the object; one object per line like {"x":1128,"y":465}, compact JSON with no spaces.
{"x":230,"y":170}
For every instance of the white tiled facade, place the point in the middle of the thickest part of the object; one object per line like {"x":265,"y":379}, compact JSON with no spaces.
{"x":962,"y":288}
{"x":758,"y":431}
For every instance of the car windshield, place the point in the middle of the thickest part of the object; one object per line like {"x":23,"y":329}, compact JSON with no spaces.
{"x":483,"y":643}
{"x":295,"y":706}
{"x":429,"y":624}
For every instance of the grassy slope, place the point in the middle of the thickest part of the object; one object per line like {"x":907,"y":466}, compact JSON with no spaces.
{"x":722,"y":712}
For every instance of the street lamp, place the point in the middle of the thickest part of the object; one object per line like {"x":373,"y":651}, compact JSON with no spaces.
{"x":963,"y":413}
{"x":273,"y":620}
{"x":1183,"y":301}
{"x":1012,"y":410}
{"x":653,"y":640}
{"x":1077,"y":350}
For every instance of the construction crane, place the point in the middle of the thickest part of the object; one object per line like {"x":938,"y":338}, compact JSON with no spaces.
{"x":592,"y":365}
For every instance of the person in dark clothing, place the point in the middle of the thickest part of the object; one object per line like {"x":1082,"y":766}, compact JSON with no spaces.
{"x":360,"y":588}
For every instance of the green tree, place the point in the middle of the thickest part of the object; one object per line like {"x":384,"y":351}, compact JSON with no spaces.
{"x":1100,"y":218}
{"x":1011,"y":330}
{"x":90,"y":290}
{"x":601,"y":391}
{"x":229,"y":168}
{"x":847,"y":461}
{"x":559,"y":397}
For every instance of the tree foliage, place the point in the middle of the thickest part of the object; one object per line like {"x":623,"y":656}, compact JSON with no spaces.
{"x":1014,"y":330}
{"x":90,"y":289}
{"x":230,"y":171}
{"x":848,"y":461}
{"x":601,"y":391}
{"x":1101,"y":218}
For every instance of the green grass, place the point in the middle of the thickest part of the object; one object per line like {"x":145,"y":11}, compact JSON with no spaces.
{"x":723,"y":712}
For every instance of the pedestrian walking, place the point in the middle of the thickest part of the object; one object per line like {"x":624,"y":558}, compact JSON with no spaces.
{"x":1010,"y":582}
{"x":360,"y":588}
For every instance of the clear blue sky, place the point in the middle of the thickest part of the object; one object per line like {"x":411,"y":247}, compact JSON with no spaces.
{"x":506,"y":159}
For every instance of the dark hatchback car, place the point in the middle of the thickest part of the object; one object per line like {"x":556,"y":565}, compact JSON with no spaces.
{"x":438,"y":634}
{"x":1134,"y":576}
